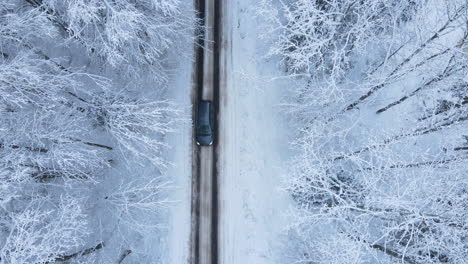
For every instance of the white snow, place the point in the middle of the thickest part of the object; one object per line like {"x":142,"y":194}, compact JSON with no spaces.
{"x":180,"y":171}
{"x":251,"y":164}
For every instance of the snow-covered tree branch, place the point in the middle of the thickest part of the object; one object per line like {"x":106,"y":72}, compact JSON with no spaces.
{"x":379,"y":113}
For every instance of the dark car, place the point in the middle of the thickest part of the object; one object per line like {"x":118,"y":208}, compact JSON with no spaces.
{"x":205,"y":124}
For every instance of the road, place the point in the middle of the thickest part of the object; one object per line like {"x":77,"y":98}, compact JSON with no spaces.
{"x":237,"y":208}
{"x":204,"y":183}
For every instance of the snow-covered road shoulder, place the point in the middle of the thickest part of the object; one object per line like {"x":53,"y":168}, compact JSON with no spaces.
{"x":253,"y":144}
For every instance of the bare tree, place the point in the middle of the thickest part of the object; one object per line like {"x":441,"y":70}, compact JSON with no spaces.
{"x":138,"y":126}
{"x":369,"y":186}
{"x":130,"y":36}
{"x":66,"y":123}
{"x":42,"y":234}
{"x":138,"y":203}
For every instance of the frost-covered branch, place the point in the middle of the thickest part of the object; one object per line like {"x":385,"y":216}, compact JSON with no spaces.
{"x":138,"y":126}
{"x":138,"y":202}
{"x":43,"y":234}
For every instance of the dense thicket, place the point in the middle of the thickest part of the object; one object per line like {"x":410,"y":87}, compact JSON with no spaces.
{"x":80,"y":128}
{"x":380,"y":111}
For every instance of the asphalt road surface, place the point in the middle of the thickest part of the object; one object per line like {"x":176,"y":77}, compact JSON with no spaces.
{"x":204,"y":183}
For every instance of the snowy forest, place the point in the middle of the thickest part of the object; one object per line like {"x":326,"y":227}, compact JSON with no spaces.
{"x":376,"y":104}
{"x":379,"y":112}
{"x":83,"y":117}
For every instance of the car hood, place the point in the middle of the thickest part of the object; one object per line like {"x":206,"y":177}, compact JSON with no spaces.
{"x":204,"y":140}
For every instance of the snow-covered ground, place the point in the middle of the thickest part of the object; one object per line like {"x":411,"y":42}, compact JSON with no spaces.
{"x":180,"y":171}
{"x":253,"y":144}
{"x":177,"y":244}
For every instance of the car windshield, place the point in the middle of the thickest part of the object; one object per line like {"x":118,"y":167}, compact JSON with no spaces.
{"x":203,"y":130}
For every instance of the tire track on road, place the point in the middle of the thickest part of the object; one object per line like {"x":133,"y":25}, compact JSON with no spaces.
{"x":204,"y":236}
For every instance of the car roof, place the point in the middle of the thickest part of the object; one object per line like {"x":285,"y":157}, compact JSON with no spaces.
{"x":205,"y":102}
{"x":203,"y":106}
{"x":203,"y":111}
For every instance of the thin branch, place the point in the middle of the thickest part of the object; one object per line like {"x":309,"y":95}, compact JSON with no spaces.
{"x":417,"y":132}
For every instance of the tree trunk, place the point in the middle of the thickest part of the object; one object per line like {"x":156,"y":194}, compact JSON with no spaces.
{"x":412,"y":165}
{"x":91,"y":144}
{"x":418,"y":132}
{"x":124,"y":255}
{"x":34,"y":149}
{"x":80,"y":253}
{"x":460,"y":148}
